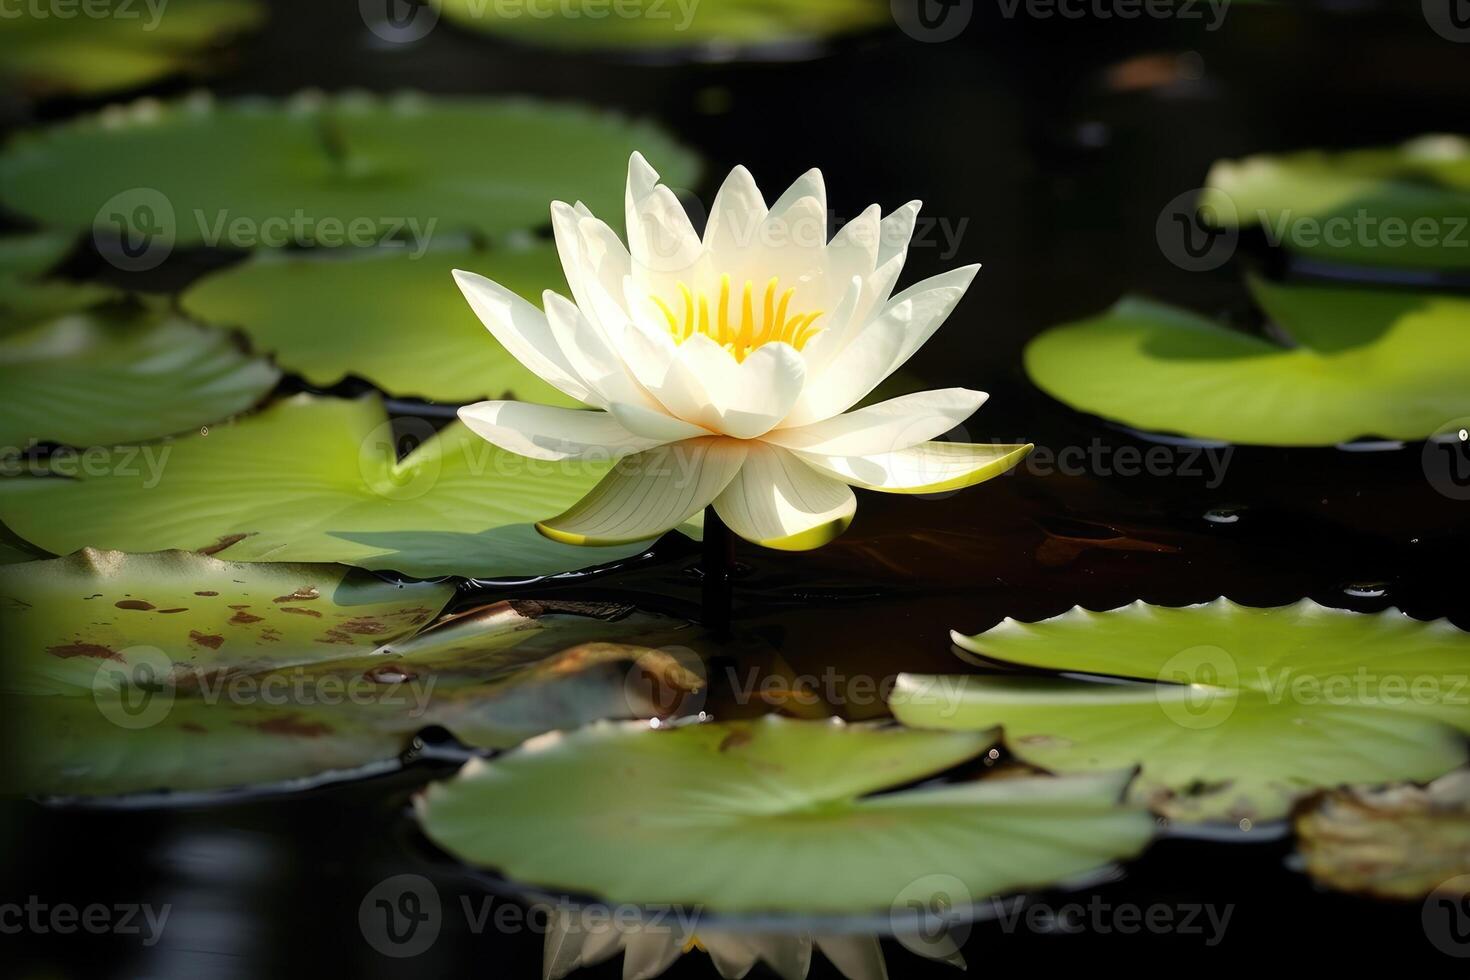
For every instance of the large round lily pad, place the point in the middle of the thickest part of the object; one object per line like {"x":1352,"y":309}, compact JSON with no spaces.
{"x":1371,"y":363}
{"x":1398,"y":206}
{"x":664,"y":24}
{"x":182,"y":672}
{"x":390,"y":316}
{"x":346,"y":170}
{"x":772,"y":816}
{"x":1233,"y":712}
{"x":317,"y":479}
{"x":115,"y":375}
{"x":114,"y":44}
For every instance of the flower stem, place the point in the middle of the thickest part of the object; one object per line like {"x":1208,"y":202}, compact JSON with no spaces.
{"x":719,"y":561}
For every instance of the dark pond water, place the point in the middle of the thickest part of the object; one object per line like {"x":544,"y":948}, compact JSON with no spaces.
{"x":1046,"y":151}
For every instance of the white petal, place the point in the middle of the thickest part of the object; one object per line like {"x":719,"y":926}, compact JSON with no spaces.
{"x":853,"y":251}
{"x":885,"y":427}
{"x":928,"y":304}
{"x":545,"y":432}
{"x":789,"y":957}
{"x":778,"y":501}
{"x":731,"y":957}
{"x":649,"y":952}
{"x":661,"y":240}
{"x":809,"y":184}
{"x":760,"y":391}
{"x":853,"y":372}
{"x":654,"y":424}
{"x":896,"y":232}
{"x":649,"y":493}
{"x":736,"y":215}
{"x":523,"y":331}
{"x":930,"y":467}
{"x":591,"y":355}
{"x":594,"y":261}
{"x":856,"y":957}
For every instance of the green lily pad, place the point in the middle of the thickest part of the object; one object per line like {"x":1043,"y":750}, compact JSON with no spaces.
{"x":25,"y":296}
{"x":664,"y":24}
{"x":114,"y":44}
{"x":390,"y":316}
{"x":347,"y":170}
{"x":755,"y":816}
{"x":264,"y":673}
{"x":1398,"y":206}
{"x":1244,"y":710}
{"x":121,"y":376}
{"x":317,"y":479}
{"x":1390,"y":365}
{"x":1401,"y":841}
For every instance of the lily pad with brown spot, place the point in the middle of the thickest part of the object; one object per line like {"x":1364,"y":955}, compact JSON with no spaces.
{"x":1232,"y":712}
{"x":181,"y":672}
{"x":1402,"y":841}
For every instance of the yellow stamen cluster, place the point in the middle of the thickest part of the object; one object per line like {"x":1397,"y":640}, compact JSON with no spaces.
{"x":743,"y":335}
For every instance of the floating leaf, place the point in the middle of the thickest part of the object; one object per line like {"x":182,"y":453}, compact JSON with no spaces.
{"x":177,"y":671}
{"x":25,"y":296}
{"x":390,"y":316}
{"x":1391,"y":365}
{"x":672,"y":24}
{"x":772,"y":815}
{"x":1399,"y":206}
{"x":1393,"y":842}
{"x":115,"y":376}
{"x":1245,"y":709}
{"x":348,"y":170}
{"x":114,"y":44}
{"x":318,"y":479}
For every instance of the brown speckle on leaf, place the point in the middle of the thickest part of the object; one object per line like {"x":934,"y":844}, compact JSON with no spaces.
{"x":298,"y":610}
{"x":207,"y":595}
{"x":735,"y":739}
{"x":243,"y":618}
{"x":93,"y":650}
{"x":212,"y":640}
{"x":304,"y":594}
{"x":289,"y":725}
{"x":224,"y":542}
{"x":140,"y":604}
{"x":365,"y":626}
{"x":165,"y":612}
{"x":334,"y":636}
{"x":193,"y":727}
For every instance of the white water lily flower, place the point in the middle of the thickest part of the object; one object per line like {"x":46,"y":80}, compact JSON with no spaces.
{"x":721,"y":369}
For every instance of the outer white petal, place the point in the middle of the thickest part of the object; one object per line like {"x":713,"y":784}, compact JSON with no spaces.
{"x":731,"y":957}
{"x":649,"y":952}
{"x":589,"y":352}
{"x":736,"y":215}
{"x":649,"y":493}
{"x":780,"y":502}
{"x":885,"y":427}
{"x":545,"y":432}
{"x":809,"y":184}
{"x":853,"y":251}
{"x":523,"y":331}
{"x":895,"y":233}
{"x":930,"y":467}
{"x":928,"y":304}
{"x":594,"y":261}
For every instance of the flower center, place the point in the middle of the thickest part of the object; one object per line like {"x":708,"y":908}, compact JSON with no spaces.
{"x":757,"y":321}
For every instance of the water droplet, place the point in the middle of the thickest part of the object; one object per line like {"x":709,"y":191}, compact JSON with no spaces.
{"x":1366,"y":590}
{"x":1245,"y":823}
{"x":389,"y":674}
{"x":1223,"y":515}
